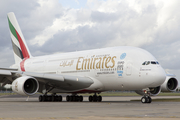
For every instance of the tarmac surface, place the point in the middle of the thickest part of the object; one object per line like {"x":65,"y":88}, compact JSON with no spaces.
{"x":111,"y":108}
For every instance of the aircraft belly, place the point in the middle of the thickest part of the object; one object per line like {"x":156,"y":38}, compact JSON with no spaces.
{"x":109,"y":82}
{"x":62,"y":91}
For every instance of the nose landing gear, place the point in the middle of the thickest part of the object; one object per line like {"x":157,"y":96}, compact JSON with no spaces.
{"x":146,"y":98}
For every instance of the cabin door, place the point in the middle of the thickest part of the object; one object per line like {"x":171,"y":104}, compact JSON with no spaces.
{"x":129,"y":68}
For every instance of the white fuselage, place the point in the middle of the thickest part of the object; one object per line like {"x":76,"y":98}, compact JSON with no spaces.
{"x":116,"y":68}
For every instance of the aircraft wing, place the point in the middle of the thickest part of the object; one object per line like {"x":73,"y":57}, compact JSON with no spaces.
{"x":64,"y":82}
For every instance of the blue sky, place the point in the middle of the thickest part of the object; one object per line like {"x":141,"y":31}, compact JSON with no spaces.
{"x":76,"y":4}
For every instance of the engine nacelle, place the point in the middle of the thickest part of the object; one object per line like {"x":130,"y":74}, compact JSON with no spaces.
{"x":25,"y":85}
{"x":153,"y":91}
{"x":170,"y":84}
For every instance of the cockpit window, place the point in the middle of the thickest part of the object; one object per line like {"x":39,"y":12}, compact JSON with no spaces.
{"x":150,"y":62}
{"x":144,"y":63}
{"x":153,"y":62}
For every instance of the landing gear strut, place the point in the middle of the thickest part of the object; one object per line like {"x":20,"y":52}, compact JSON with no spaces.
{"x":95,"y":98}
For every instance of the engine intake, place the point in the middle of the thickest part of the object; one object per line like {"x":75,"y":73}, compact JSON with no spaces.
{"x":155,"y":91}
{"x":25,"y":85}
{"x":30,"y":86}
{"x":170,"y":84}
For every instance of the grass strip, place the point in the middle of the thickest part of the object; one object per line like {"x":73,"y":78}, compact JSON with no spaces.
{"x":1,"y":94}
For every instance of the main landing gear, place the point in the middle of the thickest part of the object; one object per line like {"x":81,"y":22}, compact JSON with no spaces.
{"x":50,"y":98}
{"x":69,"y":98}
{"x":95,"y":98}
{"x":74,"y":98}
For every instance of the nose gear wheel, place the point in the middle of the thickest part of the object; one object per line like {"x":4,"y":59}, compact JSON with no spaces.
{"x":146,"y":99}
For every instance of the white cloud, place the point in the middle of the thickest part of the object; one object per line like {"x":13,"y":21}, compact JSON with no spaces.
{"x":66,"y":22}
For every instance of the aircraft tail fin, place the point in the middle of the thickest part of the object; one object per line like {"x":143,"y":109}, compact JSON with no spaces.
{"x":20,"y":48}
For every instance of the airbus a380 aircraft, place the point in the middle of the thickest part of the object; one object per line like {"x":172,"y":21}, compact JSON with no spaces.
{"x":90,"y":71}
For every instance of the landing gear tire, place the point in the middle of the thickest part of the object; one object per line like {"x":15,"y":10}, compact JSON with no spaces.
{"x":99,"y":98}
{"x":44,"y":98}
{"x":53,"y":98}
{"x":50,"y":98}
{"x":80,"y":98}
{"x":40,"y":98}
{"x":149,"y":99}
{"x":59,"y":98}
{"x":146,"y":99}
{"x":67,"y":98}
{"x":74,"y":98}
{"x":90,"y":98}
{"x":95,"y":98}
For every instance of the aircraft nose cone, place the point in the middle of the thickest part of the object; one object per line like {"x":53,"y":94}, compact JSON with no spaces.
{"x":159,"y":77}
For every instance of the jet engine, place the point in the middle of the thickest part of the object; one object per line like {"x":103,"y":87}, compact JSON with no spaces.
{"x":153,"y":91}
{"x":170,"y":84}
{"x":25,"y":85}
